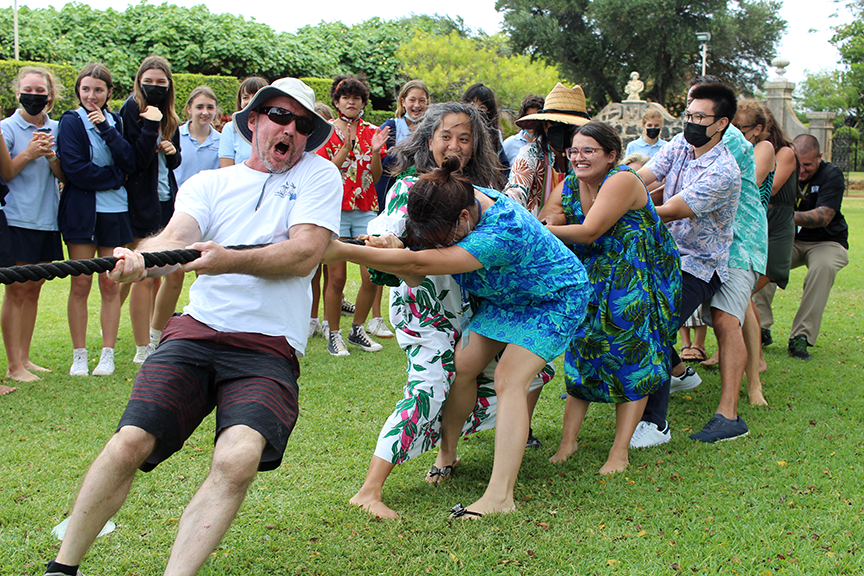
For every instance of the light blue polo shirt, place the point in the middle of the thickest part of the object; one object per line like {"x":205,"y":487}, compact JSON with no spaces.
{"x":640,"y":146}
{"x":197,"y":157}
{"x":33,"y":194}
{"x":107,"y":201}
{"x":232,"y":145}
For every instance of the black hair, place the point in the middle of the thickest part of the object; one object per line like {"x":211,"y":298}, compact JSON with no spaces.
{"x":348,"y":85}
{"x":605,"y":135}
{"x":723,"y":97}
{"x":528,"y":102}
{"x":485,"y":95}
{"x":435,"y":203}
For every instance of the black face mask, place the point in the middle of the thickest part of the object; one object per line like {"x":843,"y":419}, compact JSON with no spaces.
{"x":652,"y":132}
{"x":556,"y":135}
{"x":154,"y":94}
{"x":696,"y":134}
{"x":33,"y":103}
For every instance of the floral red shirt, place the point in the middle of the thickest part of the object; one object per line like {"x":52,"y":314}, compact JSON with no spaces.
{"x":359,"y":189}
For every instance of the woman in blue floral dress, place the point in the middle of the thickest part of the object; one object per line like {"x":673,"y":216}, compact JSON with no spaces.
{"x":634,"y":269}
{"x":532,"y":293}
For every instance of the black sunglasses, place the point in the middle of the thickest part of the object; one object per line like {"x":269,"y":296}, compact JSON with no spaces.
{"x":283,"y":117}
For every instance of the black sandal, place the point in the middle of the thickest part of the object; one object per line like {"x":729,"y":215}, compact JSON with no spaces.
{"x":458,"y":511}
{"x":441,"y":474}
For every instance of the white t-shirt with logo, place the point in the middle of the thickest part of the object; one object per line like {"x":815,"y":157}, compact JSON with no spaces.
{"x":241,"y":206}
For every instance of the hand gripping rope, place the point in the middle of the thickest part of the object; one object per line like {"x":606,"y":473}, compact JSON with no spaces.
{"x":52,"y":270}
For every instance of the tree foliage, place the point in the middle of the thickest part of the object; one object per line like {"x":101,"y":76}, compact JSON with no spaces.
{"x":824,"y":91}
{"x":849,"y":40}
{"x":449,"y":64}
{"x":597,"y":43}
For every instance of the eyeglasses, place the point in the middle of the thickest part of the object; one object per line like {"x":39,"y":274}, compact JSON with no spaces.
{"x":697,"y":117}
{"x":744,"y":128}
{"x":587,"y":152}
{"x":283,"y":117}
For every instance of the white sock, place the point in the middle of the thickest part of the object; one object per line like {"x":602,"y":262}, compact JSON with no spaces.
{"x":155,"y":336}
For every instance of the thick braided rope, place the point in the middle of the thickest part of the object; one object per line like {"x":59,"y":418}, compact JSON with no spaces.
{"x":52,"y":270}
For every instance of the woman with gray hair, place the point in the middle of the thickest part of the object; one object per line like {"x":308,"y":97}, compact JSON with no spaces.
{"x":429,"y":318}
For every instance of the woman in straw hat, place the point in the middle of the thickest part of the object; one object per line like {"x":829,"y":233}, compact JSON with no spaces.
{"x":541,"y":166}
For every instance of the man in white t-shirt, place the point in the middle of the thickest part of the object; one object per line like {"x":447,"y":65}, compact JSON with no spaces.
{"x":235,"y":348}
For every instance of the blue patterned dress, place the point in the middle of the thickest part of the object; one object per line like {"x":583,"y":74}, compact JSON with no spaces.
{"x":632,"y":316}
{"x":532,"y":289}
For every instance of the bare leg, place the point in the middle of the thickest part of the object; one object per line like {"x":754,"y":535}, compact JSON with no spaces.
{"x":376,"y":303}
{"x":470,"y":362}
{"x":732,"y":359}
{"x":28,"y":324}
{"x":574,"y":414}
{"x":627,"y":415}
{"x":140,"y":297}
{"x":110,"y":312}
{"x":79,"y":291}
{"x":166,"y":300}
{"x":333,"y":294}
{"x":684,"y":334}
{"x":365,"y":298}
{"x":516,"y":369}
{"x":214,"y":506}
{"x":18,"y":311}
{"x":104,"y":490}
{"x":370,"y":497}
{"x":763,"y":366}
{"x":316,"y":291}
{"x":753,"y":342}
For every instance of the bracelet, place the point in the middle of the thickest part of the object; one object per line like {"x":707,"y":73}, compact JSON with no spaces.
{"x":54,"y":159}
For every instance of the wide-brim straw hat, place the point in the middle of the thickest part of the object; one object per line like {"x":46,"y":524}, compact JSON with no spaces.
{"x":565,"y":105}
{"x":299,"y":91}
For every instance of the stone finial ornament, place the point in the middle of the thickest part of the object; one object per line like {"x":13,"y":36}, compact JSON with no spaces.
{"x":634,"y":87}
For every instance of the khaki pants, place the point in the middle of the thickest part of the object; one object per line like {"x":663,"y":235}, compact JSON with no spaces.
{"x":823,"y":261}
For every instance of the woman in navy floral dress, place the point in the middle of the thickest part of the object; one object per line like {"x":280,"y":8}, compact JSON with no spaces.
{"x":633,"y":264}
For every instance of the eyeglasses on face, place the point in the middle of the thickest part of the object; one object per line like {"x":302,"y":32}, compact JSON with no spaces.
{"x":587,"y":152}
{"x":744,"y":127}
{"x":283,"y":117}
{"x":697,"y":117}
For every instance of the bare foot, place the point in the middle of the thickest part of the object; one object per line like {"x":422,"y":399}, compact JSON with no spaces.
{"x":21,"y":375}
{"x":614,"y":465}
{"x":35,"y":367}
{"x":6,"y":390}
{"x":756,"y":397}
{"x":440,"y":472}
{"x":488,"y":506}
{"x":712,"y":361}
{"x":763,"y":366}
{"x":565,"y":450}
{"x":374,"y":505}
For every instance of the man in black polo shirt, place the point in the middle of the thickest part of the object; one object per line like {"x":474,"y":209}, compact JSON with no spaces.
{"x":821,"y":242}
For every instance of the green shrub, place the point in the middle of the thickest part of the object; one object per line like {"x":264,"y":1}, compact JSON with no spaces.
{"x":377,"y":117}
{"x":321,"y":87}
{"x":65,"y":74}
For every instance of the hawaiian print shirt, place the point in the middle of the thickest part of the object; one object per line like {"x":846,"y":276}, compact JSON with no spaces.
{"x":750,"y":230}
{"x":532,"y":178}
{"x":710,"y":185}
{"x":359,"y":192}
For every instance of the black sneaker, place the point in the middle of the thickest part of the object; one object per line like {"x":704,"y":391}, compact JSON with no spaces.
{"x":720,"y":428}
{"x":358,"y":337}
{"x":532,"y":442}
{"x":767,"y":340}
{"x":798,"y":347}
{"x":347,"y":308}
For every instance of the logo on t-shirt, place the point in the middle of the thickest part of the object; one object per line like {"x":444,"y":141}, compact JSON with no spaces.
{"x":287,"y":190}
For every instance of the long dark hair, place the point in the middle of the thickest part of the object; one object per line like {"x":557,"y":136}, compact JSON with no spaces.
{"x":435,"y":203}
{"x":482,"y":169}
{"x":776,"y":135}
{"x":170,"y":120}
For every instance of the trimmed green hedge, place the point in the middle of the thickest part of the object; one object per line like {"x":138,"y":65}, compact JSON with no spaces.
{"x":65,"y":74}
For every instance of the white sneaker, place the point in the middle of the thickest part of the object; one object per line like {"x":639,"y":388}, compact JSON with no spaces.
{"x":687,"y":381}
{"x":79,"y":363}
{"x":315,"y":327}
{"x":377,"y":327}
{"x":143,"y":352}
{"x":647,"y":434}
{"x":106,"y":363}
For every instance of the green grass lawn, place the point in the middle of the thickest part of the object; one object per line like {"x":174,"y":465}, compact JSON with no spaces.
{"x":787,"y":499}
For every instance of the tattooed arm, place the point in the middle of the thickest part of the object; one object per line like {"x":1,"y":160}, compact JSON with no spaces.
{"x":816,"y":218}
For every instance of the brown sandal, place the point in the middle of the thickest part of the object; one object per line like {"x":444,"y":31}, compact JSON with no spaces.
{"x":693,"y":354}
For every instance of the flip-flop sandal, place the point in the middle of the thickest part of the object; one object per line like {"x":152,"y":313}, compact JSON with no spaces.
{"x":459,"y":511}
{"x":438,"y":475}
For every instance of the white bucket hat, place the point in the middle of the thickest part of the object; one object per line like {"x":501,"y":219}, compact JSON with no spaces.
{"x":299,"y":91}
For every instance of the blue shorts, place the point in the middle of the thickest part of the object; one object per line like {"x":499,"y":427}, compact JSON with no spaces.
{"x":112,"y":229}
{"x":355,"y":222}
{"x":34,"y":246}
{"x":6,"y":258}
{"x":167,"y":210}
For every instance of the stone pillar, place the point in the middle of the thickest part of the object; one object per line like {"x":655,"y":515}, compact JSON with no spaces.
{"x":822,"y":127}
{"x":778,"y":96}
{"x":626,"y":118}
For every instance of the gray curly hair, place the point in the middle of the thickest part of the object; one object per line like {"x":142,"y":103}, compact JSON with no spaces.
{"x":482,"y":169}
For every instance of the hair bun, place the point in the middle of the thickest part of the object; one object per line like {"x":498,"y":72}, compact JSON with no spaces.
{"x":452,"y":163}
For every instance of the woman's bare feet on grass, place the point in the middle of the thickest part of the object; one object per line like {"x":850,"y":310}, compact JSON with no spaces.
{"x":565,"y":450}
{"x":373,"y":504}
{"x":35,"y":367}
{"x":488,"y":506}
{"x":6,"y":390}
{"x":712,"y":361}
{"x":756,"y":397}
{"x":614,"y":464}
{"x":763,"y":366}
{"x":21,"y":375}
